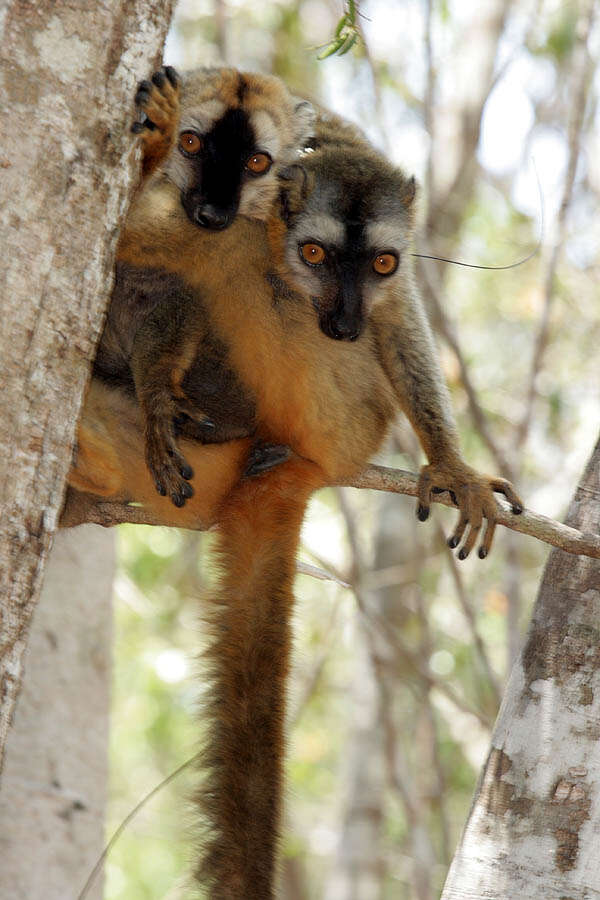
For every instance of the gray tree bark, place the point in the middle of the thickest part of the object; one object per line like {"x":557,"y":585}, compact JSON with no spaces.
{"x":55,"y":776}
{"x":534,"y":824}
{"x":68,"y":167}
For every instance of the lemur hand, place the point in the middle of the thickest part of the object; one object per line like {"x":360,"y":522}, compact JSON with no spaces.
{"x":158,"y":102}
{"x":473,"y":494}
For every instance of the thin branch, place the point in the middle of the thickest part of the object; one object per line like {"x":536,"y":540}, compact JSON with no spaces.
{"x":382,"y":478}
{"x":469,"y":615}
{"x":313,"y":679}
{"x":448,"y":332}
{"x":378,"y":478}
{"x":582,"y":78}
{"x":377,"y":625}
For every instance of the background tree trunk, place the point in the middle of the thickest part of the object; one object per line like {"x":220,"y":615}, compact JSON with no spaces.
{"x":533,"y":826}
{"x":55,"y":776}
{"x":68,"y":166}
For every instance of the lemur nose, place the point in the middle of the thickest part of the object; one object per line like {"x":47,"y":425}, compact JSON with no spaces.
{"x":343,"y":330}
{"x":208,"y":216}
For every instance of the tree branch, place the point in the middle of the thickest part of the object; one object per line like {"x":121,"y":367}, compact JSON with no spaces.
{"x":80,"y":509}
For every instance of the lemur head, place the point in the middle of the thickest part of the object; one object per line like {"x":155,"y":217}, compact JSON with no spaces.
{"x":235,"y":130}
{"x":349,"y":220}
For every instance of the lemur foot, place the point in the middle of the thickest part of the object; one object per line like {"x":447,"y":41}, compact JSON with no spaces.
{"x":168,"y":466}
{"x":473,"y":494}
{"x":157,"y":101}
{"x":263,"y":457}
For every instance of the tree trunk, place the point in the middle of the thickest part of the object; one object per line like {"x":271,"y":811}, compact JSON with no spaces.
{"x":68,"y":168}
{"x":533,"y":827}
{"x":54,"y":783}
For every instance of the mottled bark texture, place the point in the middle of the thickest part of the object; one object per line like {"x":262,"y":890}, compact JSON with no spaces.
{"x":56,"y":769}
{"x":534,"y":825}
{"x":67,"y":166}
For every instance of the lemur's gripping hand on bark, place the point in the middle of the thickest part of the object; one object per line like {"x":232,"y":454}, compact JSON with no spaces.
{"x":158,"y":101}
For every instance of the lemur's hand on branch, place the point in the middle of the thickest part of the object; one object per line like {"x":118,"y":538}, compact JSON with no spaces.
{"x":473,"y":494}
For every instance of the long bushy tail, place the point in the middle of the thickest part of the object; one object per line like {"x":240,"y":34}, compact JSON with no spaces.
{"x":249,"y":617}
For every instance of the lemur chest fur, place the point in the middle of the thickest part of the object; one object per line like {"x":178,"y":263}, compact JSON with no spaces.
{"x":330,"y":401}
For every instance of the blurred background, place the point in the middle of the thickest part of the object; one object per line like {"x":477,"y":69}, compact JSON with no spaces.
{"x":398,"y":675}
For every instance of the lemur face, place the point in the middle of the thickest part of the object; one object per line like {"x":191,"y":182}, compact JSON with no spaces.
{"x":235,"y":131}
{"x":348,"y":227}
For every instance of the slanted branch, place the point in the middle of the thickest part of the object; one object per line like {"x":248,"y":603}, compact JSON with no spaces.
{"x":78,"y":511}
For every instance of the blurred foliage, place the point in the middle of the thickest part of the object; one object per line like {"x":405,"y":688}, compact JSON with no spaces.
{"x":431,"y":699}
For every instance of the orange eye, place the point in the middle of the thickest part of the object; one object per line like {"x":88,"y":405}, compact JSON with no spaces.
{"x":190,"y":143}
{"x":259,"y":163}
{"x":385,"y":263}
{"x":313,"y":254}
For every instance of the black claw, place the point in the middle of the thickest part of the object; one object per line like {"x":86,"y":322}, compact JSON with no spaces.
{"x":137,"y":127}
{"x":462,"y":554}
{"x":186,"y":472}
{"x":482,"y":553}
{"x":159,"y":80}
{"x":145,"y":86}
{"x":172,"y":75}
{"x":161,"y":489}
{"x":141,"y":98}
{"x":178,"y":500}
{"x":187,"y":491}
{"x":422,"y":513}
{"x":517,"y":510}
{"x":452,"y":542}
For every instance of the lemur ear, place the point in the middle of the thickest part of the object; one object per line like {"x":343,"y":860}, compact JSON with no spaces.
{"x":295,"y":187}
{"x":305,"y":117}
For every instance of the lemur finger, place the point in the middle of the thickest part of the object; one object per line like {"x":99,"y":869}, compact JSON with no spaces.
{"x":142,"y":95}
{"x":488,"y":537}
{"x":424,"y":489}
{"x":153,"y":103}
{"x":178,"y":497}
{"x":172,"y":75}
{"x":456,"y":538}
{"x":440,"y":490}
{"x":502,"y":486}
{"x":167,"y":83}
{"x":475,"y":524}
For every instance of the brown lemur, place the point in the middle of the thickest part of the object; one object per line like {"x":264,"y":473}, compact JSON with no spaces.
{"x":318,"y":319}
{"x":220,"y":136}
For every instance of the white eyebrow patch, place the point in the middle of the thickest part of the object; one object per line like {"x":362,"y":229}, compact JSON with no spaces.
{"x":265,"y":132}
{"x":388,"y":234}
{"x":202,"y":118}
{"x":320,"y":227}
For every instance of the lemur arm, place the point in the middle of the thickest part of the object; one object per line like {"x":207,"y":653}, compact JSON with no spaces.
{"x":409,"y":356}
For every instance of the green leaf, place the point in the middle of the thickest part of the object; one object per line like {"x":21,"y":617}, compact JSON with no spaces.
{"x":349,"y":43}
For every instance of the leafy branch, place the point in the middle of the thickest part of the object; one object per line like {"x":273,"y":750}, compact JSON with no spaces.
{"x":346,"y":34}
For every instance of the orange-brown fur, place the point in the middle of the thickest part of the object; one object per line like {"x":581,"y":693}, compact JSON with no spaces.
{"x":248,"y":662}
{"x":331,"y":402}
